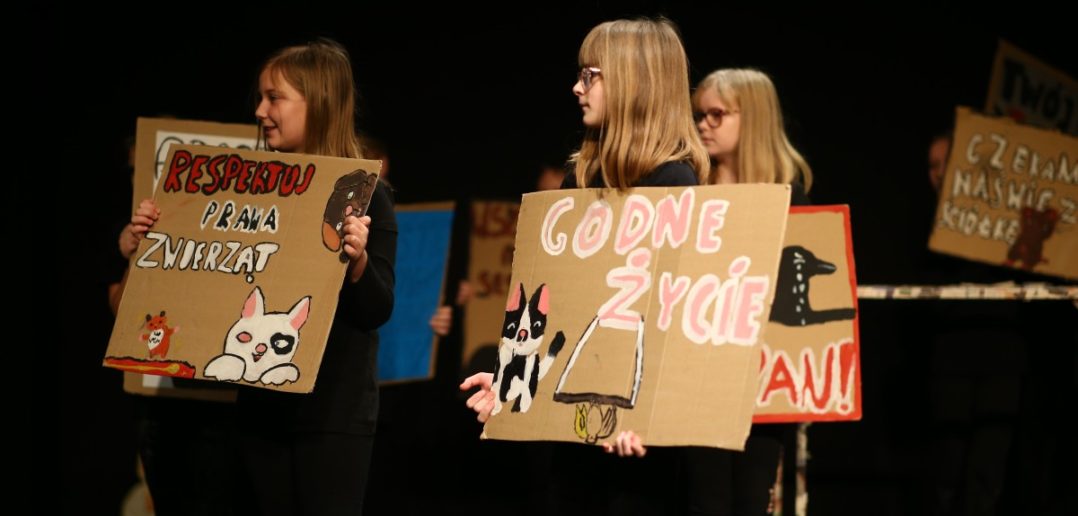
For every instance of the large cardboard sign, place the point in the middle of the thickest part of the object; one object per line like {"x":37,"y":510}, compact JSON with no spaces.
{"x":154,"y":137}
{"x":174,"y":387}
{"x":1029,"y":91}
{"x":638,"y":311}
{"x":1009,"y":196}
{"x":407,"y":345}
{"x":811,"y":366}
{"x":238,"y":279}
{"x":494,"y":225}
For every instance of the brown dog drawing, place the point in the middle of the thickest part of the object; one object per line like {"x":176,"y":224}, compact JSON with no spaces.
{"x":351,"y":196}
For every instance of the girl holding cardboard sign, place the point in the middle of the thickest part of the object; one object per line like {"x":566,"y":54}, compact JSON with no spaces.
{"x":740,"y":123}
{"x":310,"y":454}
{"x":633,"y":91}
{"x":617,"y":92}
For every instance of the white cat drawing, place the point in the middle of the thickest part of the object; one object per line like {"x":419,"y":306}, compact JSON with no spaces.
{"x":260,"y":346}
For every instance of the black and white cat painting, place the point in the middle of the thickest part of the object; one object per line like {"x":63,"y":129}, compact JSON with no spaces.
{"x":260,"y":346}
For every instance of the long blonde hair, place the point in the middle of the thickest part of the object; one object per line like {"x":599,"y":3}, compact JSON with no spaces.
{"x":648,"y":113}
{"x":322,"y":72}
{"x":764,"y":154}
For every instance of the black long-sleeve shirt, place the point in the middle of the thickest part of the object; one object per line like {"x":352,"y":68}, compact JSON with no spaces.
{"x":671,"y":173}
{"x":345,"y":396}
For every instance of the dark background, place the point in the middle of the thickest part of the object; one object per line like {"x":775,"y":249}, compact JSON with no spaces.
{"x":468,"y":99}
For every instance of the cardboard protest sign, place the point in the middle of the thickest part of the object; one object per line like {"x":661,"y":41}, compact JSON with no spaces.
{"x":490,"y":265}
{"x":1031,"y":92}
{"x":638,"y":311}
{"x":154,"y":137}
{"x":811,"y":367}
{"x":238,"y":279}
{"x":1009,"y":196}
{"x":407,"y":344}
{"x":183,"y":388}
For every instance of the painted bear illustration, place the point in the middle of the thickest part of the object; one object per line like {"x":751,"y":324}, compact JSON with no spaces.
{"x":791,"y":305}
{"x":260,"y":346}
{"x":1036,"y":227}
{"x":158,"y":334}
{"x":518,"y":368}
{"x":351,"y":195}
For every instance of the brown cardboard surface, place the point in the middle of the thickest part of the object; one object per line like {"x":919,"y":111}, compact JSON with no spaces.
{"x":599,"y":272}
{"x":811,"y":368}
{"x":168,"y":387}
{"x":1009,"y":196}
{"x":154,"y":136}
{"x":238,"y":279}
{"x":490,"y":266}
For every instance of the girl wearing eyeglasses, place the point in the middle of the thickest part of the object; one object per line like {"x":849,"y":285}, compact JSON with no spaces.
{"x":632,"y":89}
{"x":740,"y":124}
{"x":633,"y":73}
{"x":633,"y":92}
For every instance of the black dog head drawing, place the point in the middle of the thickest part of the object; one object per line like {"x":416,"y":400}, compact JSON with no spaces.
{"x":791,"y":306}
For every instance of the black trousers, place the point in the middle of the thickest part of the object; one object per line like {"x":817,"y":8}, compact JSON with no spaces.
{"x":305,"y":472}
{"x":189,"y":463}
{"x":671,"y":480}
{"x":723,"y":482}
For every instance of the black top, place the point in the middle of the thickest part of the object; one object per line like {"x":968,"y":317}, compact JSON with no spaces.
{"x":798,"y":197}
{"x":671,"y":173}
{"x":679,"y":173}
{"x":345,"y":397}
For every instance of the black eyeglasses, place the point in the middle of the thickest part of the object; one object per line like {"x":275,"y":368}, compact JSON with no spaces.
{"x":587,"y":76}
{"x":713,"y":116}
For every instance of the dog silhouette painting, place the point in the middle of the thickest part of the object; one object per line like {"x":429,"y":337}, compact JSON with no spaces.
{"x":791,"y":306}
